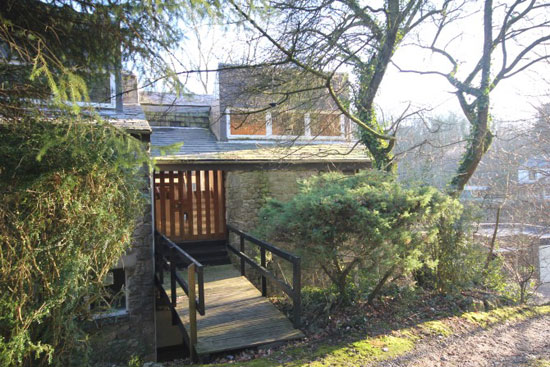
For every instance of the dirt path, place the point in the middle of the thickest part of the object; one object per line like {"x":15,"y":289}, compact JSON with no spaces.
{"x":507,"y":345}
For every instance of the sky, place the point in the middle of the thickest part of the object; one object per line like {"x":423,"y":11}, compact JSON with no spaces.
{"x":513,"y":100}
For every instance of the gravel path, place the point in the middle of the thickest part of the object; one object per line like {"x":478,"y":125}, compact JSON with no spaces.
{"x":506,"y":345}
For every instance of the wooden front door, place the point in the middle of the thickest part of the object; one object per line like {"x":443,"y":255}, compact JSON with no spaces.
{"x":189,"y":205}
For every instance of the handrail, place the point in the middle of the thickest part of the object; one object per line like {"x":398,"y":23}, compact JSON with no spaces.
{"x":195,"y":277}
{"x":293,"y":291}
{"x":199,"y":269}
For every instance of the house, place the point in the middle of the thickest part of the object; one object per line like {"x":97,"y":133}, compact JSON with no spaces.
{"x":534,"y":176}
{"x":219,"y":158}
{"x":128,"y":328}
{"x":252,"y":150}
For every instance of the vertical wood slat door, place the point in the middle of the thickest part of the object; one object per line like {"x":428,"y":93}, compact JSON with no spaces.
{"x":190,"y":205}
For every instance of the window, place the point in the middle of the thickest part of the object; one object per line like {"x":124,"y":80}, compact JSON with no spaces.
{"x":325,"y":124}
{"x":288,"y":123}
{"x":277,"y":124}
{"x":115,"y":292}
{"x":243,"y":123}
{"x":101,"y":90}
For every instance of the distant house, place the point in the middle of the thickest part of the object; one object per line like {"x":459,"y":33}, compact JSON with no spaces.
{"x":524,"y":243}
{"x":534,"y":175}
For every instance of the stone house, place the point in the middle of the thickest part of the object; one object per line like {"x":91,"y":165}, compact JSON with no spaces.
{"x":260,"y":147}
{"x":128,"y":329}
{"x":217,"y":159}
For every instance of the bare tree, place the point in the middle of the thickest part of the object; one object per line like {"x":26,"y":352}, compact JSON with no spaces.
{"x":325,"y":37}
{"x":514,"y":38}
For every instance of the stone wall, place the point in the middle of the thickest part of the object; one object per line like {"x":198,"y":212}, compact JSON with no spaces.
{"x":126,"y":333}
{"x":130,"y":89}
{"x":247,"y":191}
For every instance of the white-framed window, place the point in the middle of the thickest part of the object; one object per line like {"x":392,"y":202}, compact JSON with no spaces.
{"x":102,"y":92}
{"x":245,"y":122}
{"x":322,"y":125}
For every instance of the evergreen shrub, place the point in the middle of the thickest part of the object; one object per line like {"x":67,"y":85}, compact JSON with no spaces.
{"x":367,"y":222}
{"x":71,"y":192}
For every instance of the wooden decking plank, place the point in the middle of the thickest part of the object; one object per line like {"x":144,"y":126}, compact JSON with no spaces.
{"x":237,"y":316}
{"x":234,"y":344}
{"x":242,"y":337}
{"x":254,"y":334}
{"x":220,"y":320}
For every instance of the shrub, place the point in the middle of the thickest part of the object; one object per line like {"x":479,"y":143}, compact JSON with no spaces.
{"x":457,"y":262}
{"x":70,"y":195}
{"x":367,"y":221}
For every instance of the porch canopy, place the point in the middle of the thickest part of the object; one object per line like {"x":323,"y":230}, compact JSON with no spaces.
{"x":177,"y":148}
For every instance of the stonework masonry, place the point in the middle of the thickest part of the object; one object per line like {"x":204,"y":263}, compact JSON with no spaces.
{"x":247,"y":191}
{"x":123,"y":335}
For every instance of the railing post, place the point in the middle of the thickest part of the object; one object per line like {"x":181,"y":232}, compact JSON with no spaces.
{"x":200,"y":280}
{"x":263,"y":263}
{"x":242,"y":250}
{"x":173,"y":284}
{"x":192,"y":309}
{"x":160,"y":269}
{"x":297,"y":291}
{"x":158,"y":259}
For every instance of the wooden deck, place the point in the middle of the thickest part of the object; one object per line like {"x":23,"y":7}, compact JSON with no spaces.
{"x":236,"y":317}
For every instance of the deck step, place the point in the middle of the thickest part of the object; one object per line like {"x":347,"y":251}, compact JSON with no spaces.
{"x":207,"y":252}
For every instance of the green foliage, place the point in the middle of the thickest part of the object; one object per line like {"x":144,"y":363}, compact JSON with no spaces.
{"x":135,"y":361}
{"x":69,"y":201}
{"x":457,"y":262}
{"x":63,"y":42}
{"x":368,"y":220}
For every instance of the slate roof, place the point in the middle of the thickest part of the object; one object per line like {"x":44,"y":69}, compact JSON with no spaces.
{"x":512,"y":229}
{"x":200,"y":144}
{"x":130,"y":119}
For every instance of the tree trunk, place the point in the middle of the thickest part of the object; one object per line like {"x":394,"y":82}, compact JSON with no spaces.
{"x":370,"y":78}
{"x":478,"y":113}
{"x":493,"y":240}
{"x":380,"y":284}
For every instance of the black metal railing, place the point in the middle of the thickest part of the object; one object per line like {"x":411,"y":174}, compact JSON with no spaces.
{"x":293,"y":291}
{"x":169,"y":256}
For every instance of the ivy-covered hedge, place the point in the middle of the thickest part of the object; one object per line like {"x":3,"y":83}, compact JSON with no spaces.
{"x":70,"y":195}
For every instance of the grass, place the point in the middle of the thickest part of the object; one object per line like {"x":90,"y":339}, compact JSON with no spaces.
{"x":365,"y":349}
{"x":499,"y":315}
{"x":539,"y":363}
